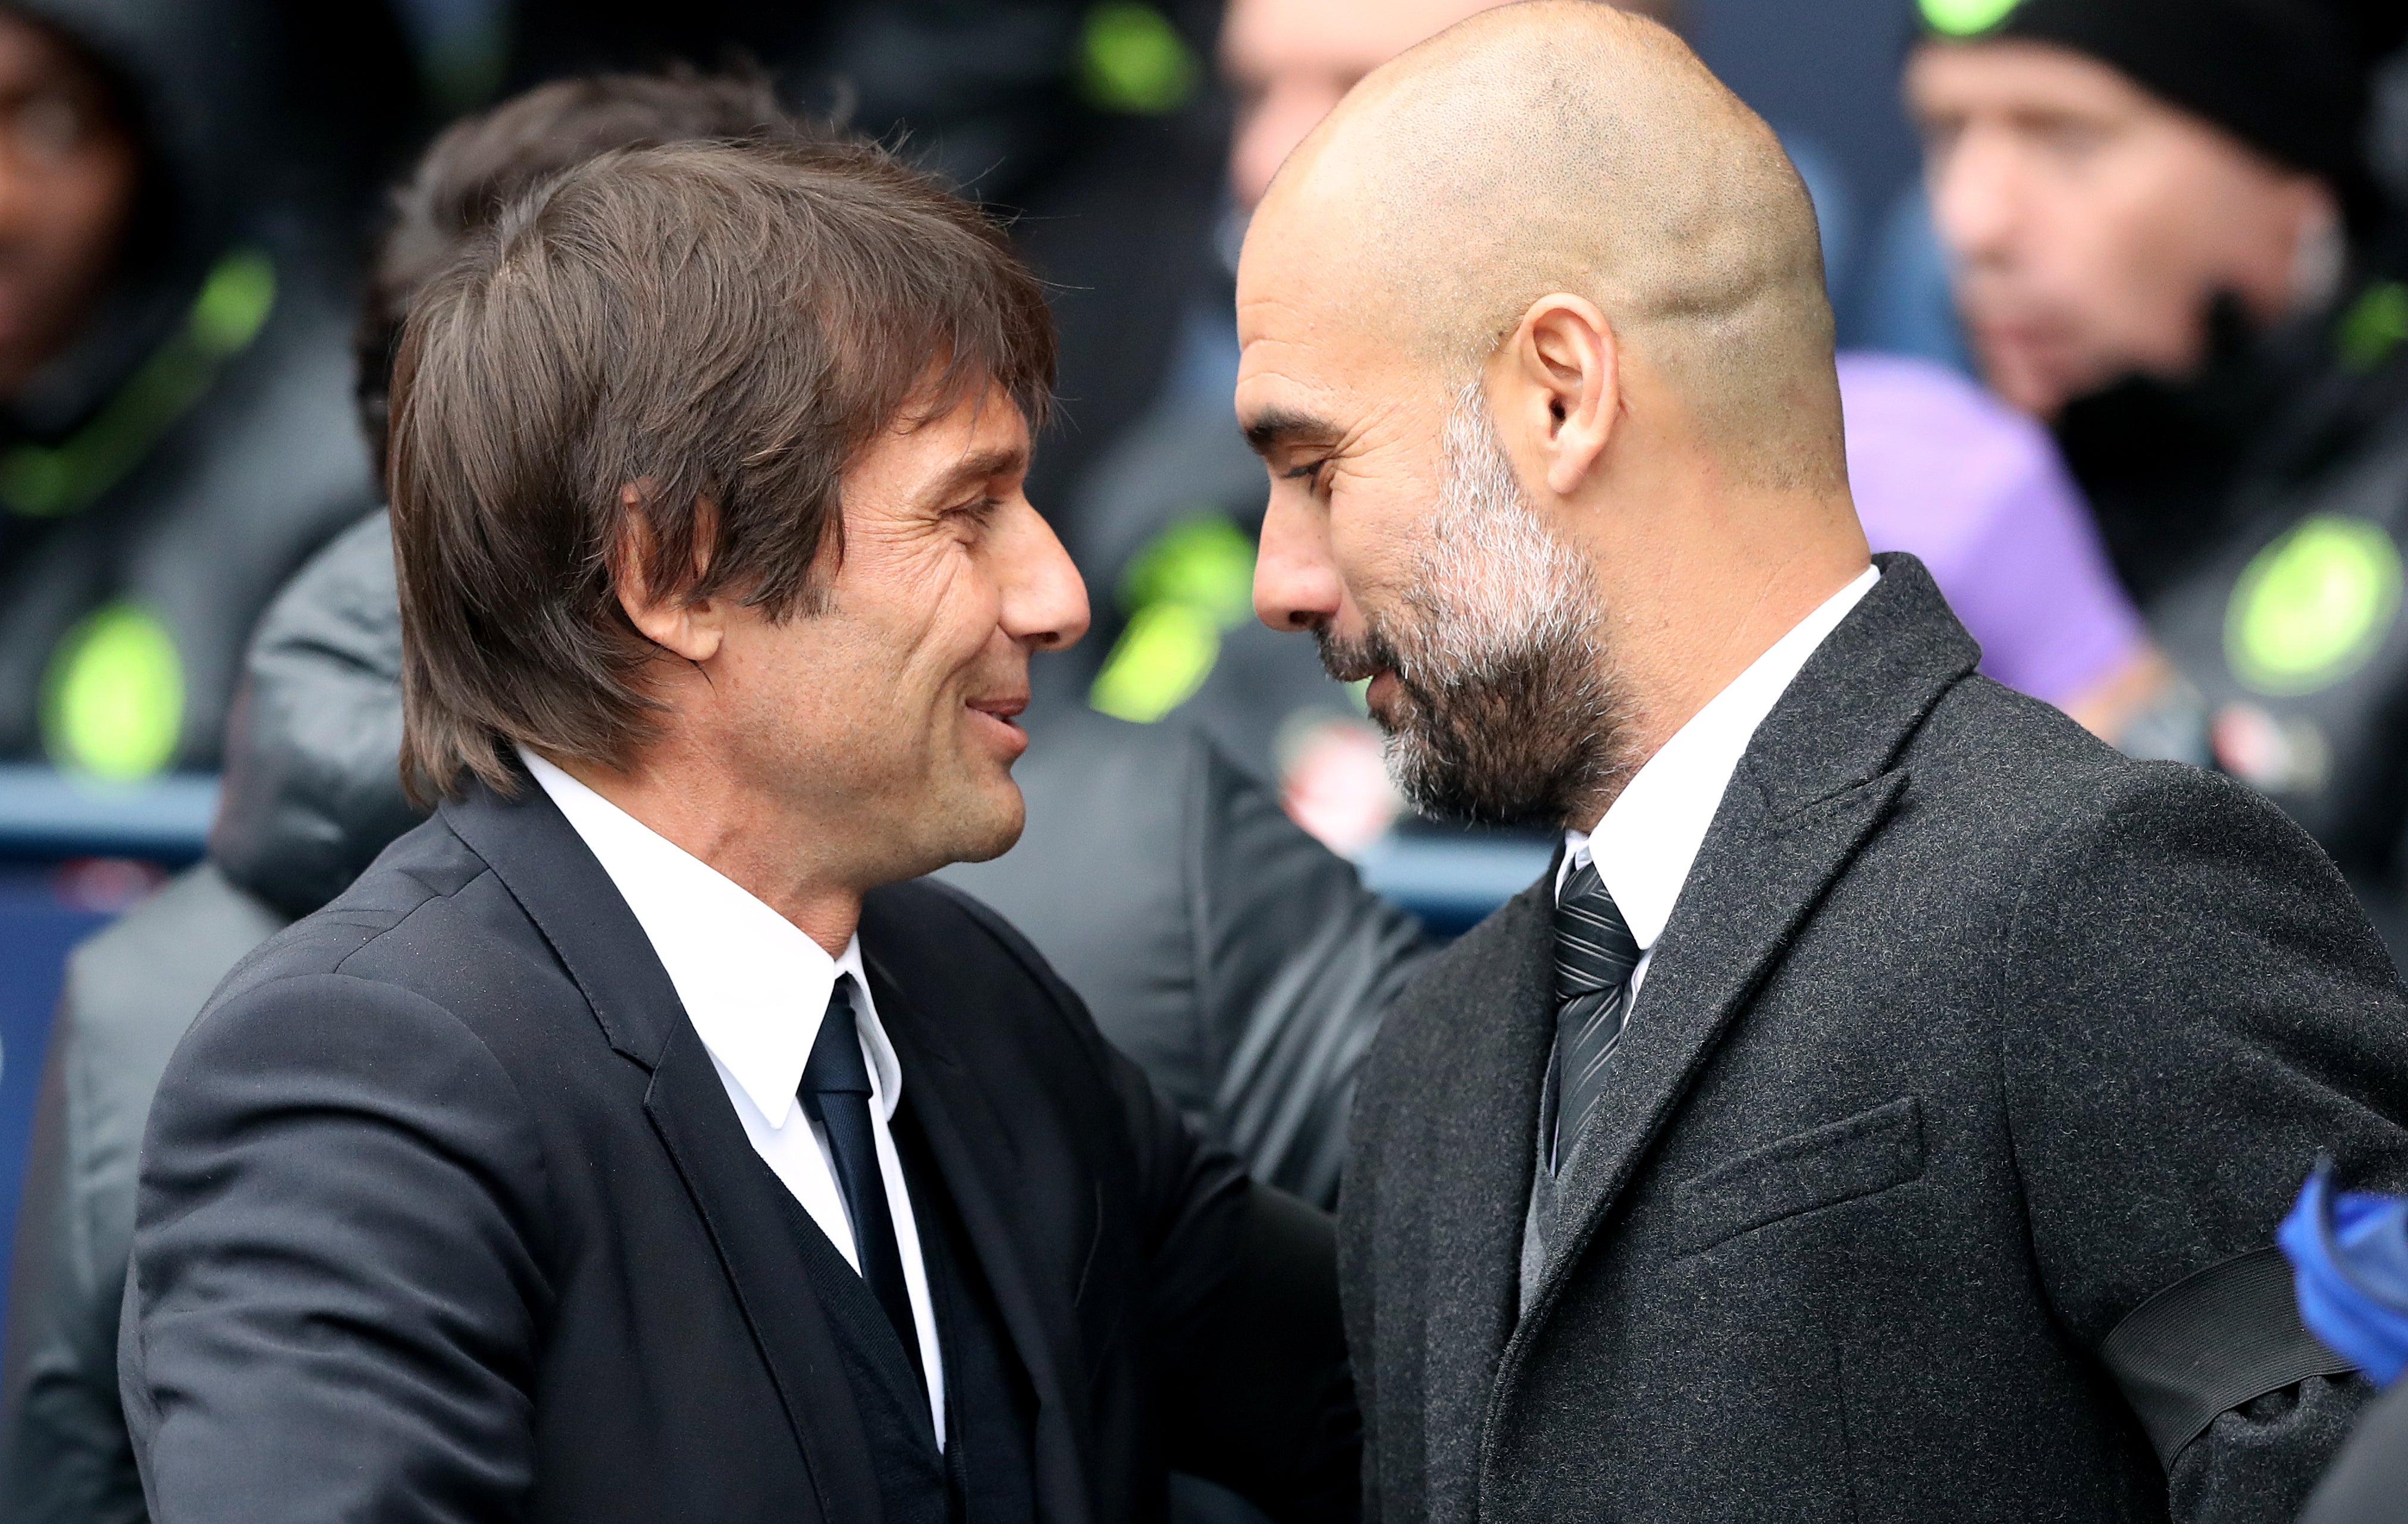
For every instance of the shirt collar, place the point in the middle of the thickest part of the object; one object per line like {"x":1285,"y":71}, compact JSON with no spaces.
{"x":753,"y":986}
{"x":1648,"y":838}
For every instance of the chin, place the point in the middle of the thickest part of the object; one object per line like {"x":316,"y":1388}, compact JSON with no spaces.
{"x":988,"y":824}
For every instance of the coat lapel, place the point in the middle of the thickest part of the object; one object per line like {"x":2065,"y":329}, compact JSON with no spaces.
{"x":548,"y":868}
{"x":1478,"y":1144}
{"x":968,"y":1140}
{"x":688,"y":1108}
{"x":1814,"y":784}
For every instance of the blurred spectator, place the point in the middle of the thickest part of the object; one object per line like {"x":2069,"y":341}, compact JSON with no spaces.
{"x":1239,"y":962}
{"x":313,"y":794}
{"x":173,"y":440}
{"x":1978,"y":493}
{"x":2170,"y":242}
{"x":1165,"y":525}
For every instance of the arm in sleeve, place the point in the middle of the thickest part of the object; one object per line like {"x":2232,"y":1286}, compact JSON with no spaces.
{"x":131,"y":992}
{"x":1301,"y":964}
{"x":68,"y":1456}
{"x":1245,"y":1323}
{"x":2193,"y":1007}
{"x":1242,"y":1306}
{"x":335,"y":1291}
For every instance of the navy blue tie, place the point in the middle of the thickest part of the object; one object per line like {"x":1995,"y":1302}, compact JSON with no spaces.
{"x":835,"y":1091}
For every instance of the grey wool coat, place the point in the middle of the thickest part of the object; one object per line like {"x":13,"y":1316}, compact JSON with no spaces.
{"x":1967,"y":1038}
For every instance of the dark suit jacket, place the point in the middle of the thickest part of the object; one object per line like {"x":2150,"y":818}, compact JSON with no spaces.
{"x":2370,"y":1477}
{"x":1966,"y":1036}
{"x":444,"y":1215}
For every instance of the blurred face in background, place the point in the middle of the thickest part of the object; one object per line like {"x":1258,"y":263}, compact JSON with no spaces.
{"x":2091,"y":227}
{"x":1288,"y":62}
{"x":68,"y":173}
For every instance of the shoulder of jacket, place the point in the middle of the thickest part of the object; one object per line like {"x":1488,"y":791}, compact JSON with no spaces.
{"x":427,"y":865}
{"x":1475,"y":968}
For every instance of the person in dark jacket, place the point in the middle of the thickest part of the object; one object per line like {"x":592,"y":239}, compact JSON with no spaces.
{"x":2169,"y":242}
{"x":1242,"y":964}
{"x":172,"y":363}
{"x":631,"y":1137}
{"x":1167,"y":522}
{"x":1240,"y":961}
{"x":1884,"y":1107}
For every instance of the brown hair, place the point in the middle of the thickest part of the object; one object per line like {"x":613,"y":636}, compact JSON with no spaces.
{"x":678,"y":348}
{"x":483,"y":164}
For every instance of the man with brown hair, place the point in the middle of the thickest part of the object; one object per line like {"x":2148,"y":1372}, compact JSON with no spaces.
{"x":629,"y":1141}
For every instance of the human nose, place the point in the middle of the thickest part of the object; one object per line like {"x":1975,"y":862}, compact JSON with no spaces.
{"x":1044,"y":600}
{"x":1297,"y":585}
{"x":1974,"y":197}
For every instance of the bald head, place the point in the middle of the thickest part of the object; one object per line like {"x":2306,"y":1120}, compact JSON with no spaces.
{"x":1563,"y":146}
{"x":1535,"y":345}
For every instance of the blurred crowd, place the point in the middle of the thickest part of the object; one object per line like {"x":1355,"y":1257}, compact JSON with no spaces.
{"x":2142,"y":410}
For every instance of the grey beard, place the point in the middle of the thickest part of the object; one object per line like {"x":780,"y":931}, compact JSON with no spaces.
{"x":1506,"y":714}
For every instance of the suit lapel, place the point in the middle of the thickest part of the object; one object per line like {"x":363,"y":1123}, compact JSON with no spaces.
{"x":1742,"y":904}
{"x":966,"y":1140}
{"x":554,"y":877}
{"x":1814,"y":784}
{"x":1479,"y":1145}
{"x":688,"y":1108}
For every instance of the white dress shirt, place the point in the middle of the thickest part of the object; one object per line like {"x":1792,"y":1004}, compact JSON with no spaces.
{"x":1646,"y":841}
{"x":756,"y":989}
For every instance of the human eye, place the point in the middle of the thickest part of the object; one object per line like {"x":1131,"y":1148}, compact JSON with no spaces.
{"x":973,"y":516}
{"x":1310,"y":473}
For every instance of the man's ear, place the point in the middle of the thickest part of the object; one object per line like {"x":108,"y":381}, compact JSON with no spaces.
{"x":1557,"y":382}
{"x":690,"y":628}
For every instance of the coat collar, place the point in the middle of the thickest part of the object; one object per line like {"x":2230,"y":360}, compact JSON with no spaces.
{"x":1817,"y":781}
{"x":556,"y":878}
{"x":1647,"y":843}
{"x":564,"y":889}
{"x":752,"y":983}
{"x":1483,"y":1065}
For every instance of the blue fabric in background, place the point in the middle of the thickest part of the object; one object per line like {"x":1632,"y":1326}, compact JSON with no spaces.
{"x":2349,"y":1261}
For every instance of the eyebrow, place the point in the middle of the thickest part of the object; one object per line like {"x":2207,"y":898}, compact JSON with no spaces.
{"x":1276,"y":427}
{"x":979,"y":465}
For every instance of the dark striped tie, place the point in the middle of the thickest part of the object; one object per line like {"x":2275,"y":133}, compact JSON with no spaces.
{"x":1594,"y":955}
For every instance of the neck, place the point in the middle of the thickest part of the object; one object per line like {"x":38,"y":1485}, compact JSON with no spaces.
{"x":751,"y":842}
{"x":1673,"y":653}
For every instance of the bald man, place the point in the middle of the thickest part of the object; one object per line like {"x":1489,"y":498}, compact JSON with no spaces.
{"x":1883,"y":1107}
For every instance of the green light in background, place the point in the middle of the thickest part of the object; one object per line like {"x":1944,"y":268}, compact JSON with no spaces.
{"x":2313,"y":606}
{"x":1133,"y":60}
{"x":51,"y":481}
{"x":1965,"y":18}
{"x":1160,"y":660}
{"x":234,"y":302}
{"x":2375,"y":327}
{"x":1189,"y":583}
{"x":113,"y":698}
{"x":1206,"y":561}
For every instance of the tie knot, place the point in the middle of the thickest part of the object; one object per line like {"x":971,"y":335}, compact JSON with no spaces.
{"x":835,"y":1065}
{"x":1594,"y":948}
